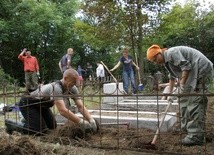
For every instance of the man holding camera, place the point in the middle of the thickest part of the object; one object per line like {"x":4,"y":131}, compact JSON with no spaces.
{"x":31,"y":69}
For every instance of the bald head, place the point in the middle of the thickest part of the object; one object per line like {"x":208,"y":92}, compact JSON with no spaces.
{"x":70,"y":78}
{"x":70,"y":73}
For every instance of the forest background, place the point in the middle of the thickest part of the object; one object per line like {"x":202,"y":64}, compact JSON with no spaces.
{"x":97,"y":31}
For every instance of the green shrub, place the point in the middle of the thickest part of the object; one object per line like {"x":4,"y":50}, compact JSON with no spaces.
{"x":5,"y":79}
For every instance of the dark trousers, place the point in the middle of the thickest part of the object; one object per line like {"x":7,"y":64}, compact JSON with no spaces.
{"x":101,"y":81}
{"x":38,"y":115}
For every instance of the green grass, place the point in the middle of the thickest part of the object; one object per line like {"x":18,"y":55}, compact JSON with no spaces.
{"x":9,"y":115}
{"x":92,"y":102}
{"x":10,"y":95}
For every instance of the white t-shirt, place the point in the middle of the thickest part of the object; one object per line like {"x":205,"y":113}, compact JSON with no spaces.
{"x":100,"y":71}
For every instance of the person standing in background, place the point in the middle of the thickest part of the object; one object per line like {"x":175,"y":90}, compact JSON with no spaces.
{"x":89,"y":70}
{"x":64,"y":64}
{"x":128,"y":72}
{"x":65,"y":61}
{"x":80,"y":70}
{"x":31,"y":69}
{"x":100,"y":72}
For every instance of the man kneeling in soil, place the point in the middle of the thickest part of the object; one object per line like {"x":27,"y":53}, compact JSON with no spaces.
{"x":35,"y":107}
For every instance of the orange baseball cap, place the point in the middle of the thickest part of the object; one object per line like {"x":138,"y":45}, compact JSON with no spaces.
{"x":153,"y":51}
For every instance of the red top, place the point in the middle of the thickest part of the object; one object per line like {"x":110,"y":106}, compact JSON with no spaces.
{"x":30,"y":63}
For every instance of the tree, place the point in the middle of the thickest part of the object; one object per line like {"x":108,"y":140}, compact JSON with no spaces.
{"x":120,"y":23}
{"x":185,"y":25}
{"x":45,"y":27}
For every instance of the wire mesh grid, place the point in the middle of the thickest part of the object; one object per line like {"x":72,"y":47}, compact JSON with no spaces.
{"x":126,"y":123}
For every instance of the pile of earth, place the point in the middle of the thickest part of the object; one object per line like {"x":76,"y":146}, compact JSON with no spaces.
{"x":69,"y":139}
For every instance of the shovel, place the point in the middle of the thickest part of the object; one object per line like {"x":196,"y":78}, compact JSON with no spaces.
{"x":151,"y":144}
{"x":140,"y":86}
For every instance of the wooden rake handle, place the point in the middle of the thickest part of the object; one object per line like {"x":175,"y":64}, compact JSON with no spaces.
{"x":138,"y":71}
{"x":161,"y":122}
{"x":109,"y":71}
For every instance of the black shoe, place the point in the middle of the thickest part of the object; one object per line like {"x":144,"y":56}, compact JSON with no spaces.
{"x":13,"y":126}
{"x":7,"y":109}
{"x":30,"y":90}
{"x":134,"y":93}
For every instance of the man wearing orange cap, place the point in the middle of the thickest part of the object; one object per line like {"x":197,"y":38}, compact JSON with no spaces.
{"x":194,"y":71}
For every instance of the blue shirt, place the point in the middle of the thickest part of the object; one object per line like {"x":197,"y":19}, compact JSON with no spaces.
{"x":127,"y":63}
{"x":64,"y":61}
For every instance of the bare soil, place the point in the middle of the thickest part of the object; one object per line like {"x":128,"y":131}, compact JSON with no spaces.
{"x":69,"y":139}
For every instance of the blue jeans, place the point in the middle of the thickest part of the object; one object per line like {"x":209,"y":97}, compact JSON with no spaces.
{"x":126,"y":76}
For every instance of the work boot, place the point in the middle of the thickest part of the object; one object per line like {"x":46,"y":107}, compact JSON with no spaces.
{"x":191,"y":142}
{"x":134,"y":92}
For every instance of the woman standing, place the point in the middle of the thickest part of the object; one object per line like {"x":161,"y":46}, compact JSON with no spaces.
{"x":128,"y":72}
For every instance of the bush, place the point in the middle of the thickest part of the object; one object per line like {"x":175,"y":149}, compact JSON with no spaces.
{"x":5,"y":79}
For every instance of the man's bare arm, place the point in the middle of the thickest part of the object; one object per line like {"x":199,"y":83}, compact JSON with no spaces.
{"x":184,"y":77}
{"x":83,"y":109}
{"x":65,"y":112}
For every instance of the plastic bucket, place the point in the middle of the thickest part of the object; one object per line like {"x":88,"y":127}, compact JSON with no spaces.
{"x":140,"y":87}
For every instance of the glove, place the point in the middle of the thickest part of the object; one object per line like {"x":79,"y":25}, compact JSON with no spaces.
{"x":93,"y":125}
{"x":84,"y":125}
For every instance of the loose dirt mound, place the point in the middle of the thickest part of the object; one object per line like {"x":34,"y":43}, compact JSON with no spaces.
{"x":68,"y":134}
{"x":70,"y":130}
{"x":68,"y":138}
{"x":11,"y":145}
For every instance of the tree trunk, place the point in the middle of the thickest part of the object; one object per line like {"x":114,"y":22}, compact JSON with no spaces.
{"x":140,"y":40}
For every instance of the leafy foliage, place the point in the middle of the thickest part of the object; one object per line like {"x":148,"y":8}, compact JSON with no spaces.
{"x":5,"y":79}
{"x":49,"y":27}
{"x":119,"y":23}
{"x":45,"y":27}
{"x":185,"y":25}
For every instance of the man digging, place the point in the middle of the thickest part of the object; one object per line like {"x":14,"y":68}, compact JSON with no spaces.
{"x":194,"y":72}
{"x":35,"y":106}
